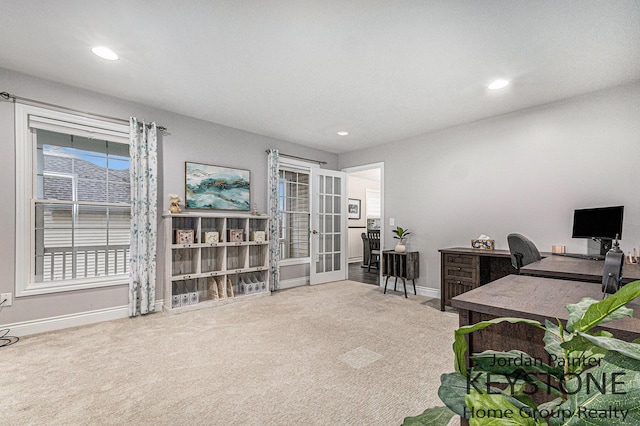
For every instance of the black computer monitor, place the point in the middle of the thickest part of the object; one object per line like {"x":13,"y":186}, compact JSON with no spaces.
{"x":602,"y":224}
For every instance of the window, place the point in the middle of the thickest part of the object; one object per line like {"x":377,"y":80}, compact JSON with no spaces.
{"x":373,"y":208}
{"x":73,"y":195}
{"x":294,"y":203}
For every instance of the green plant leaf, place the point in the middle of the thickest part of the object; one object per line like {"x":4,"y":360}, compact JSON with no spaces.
{"x":460,"y":345}
{"x":597,"y":312}
{"x":618,"y":394}
{"x":452,"y":390}
{"x":577,"y":311}
{"x":516,"y":382}
{"x":581,"y":353}
{"x":511,"y":361}
{"x":630,"y":350}
{"x":552,"y":341}
{"x":435,"y":416}
{"x":498,"y":409}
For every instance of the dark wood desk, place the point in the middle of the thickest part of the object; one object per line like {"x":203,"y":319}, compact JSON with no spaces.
{"x":571,"y":268}
{"x":463,"y":269}
{"x":534,"y":298}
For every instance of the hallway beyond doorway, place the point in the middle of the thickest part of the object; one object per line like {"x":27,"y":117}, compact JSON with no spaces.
{"x":359,"y":274}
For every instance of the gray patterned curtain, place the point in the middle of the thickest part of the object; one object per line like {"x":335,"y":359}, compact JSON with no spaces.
{"x":143,"y":150}
{"x":274,"y":223}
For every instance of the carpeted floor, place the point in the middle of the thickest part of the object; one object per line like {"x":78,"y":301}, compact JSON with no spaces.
{"x":335,"y":354}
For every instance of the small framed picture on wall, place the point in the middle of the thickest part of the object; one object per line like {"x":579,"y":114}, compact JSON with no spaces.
{"x":354,"y":208}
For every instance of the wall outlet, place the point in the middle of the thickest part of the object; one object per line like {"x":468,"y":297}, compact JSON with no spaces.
{"x":392,"y":221}
{"x":8,"y":297}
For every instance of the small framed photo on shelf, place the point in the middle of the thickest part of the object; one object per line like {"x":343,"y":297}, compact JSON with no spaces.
{"x":258,"y":236}
{"x":354,"y":208}
{"x":236,"y":235}
{"x":211,"y":237}
{"x":184,"y":236}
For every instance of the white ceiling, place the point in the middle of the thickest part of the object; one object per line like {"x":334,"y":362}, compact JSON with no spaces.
{"x":301,"y":70}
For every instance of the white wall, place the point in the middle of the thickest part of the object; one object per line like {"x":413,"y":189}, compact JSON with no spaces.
{"x":522,"y":172}
{"x":188,"y":139}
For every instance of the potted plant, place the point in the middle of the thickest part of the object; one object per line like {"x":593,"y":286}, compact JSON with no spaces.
{"x":401,"y":234}
{"x":591,"y":376}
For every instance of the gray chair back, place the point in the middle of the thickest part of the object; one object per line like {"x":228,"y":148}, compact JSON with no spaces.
{"x":523,"y":251}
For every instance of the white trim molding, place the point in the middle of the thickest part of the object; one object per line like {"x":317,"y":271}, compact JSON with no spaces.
{"x":295,"y":282}
{"x":43,"y":325}
{"x":422,"y":291}
{"x":28,"y":117}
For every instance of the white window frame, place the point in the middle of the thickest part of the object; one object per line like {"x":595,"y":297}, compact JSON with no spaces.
{"x":304,"y":167}
{"x":26,"y":151}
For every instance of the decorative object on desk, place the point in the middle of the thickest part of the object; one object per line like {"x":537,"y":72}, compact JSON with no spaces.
{"x":215,"y":187}
{"x":558,"y":249}
{"x":211,"y":237}
{"x":354,"y":208}
{"x":580,"y":355}
{"x":235,"y":236}
{"x":174,"y":203}
{"x":255,"y":211}
{"x":184,"y":236}
{"x":483,"y":242}
{"x":401,"y":234}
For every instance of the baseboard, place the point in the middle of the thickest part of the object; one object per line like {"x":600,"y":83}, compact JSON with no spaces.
{"x":422,"y":291}
{"x":43,"y":325}
{"x":295,"y":282}
{"x":429,"y":292}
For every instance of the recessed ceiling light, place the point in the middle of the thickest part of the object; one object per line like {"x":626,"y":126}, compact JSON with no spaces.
{"x":498,"y":84}
{"x":343,"y":133}
{"x":105,"y":53}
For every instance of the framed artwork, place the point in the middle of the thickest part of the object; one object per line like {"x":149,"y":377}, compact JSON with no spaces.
{"x":184,"y":236}
{"x":235,"y":235}
{"x":354,"y":208}
{"x":216,"y":187}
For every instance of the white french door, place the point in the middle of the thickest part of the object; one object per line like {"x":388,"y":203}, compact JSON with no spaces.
{"x":328,"y":226}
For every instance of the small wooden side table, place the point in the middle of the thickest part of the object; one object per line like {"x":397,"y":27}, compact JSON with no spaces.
{"x":405,"y":266}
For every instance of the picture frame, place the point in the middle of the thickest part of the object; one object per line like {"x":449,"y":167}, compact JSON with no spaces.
{"x":184,"y":236}
{"x":217,"y":187}
{"x":235,"y":235}
{"x":353,"y":208}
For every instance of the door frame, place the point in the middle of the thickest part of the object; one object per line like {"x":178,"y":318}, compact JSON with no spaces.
{"x":370,"y":166}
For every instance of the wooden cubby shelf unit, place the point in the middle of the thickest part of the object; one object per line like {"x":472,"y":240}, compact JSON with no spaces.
{"x":214,"y":259}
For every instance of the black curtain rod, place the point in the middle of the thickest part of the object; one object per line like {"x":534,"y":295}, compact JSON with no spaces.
{"x":8,"y":96}
{"x":300,"y":158}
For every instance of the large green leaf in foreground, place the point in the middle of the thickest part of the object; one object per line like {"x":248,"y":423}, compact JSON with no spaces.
{"x":608,"y":394}
{"x":460,"y":345}
{"x":597,"y":312}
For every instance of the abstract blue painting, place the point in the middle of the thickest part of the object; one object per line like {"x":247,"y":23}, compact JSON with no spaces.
{"x":215,"y":187}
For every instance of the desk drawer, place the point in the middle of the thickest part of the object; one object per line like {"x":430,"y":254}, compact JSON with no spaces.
{"x":462,"y":260}
{"x":456,"y":287}
{"x":461,"y":267}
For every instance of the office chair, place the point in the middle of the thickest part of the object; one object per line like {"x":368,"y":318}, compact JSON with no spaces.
{"x":374,"y":249}
{"x":612,"y":273}
{"x":523,"y":251}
